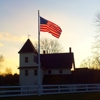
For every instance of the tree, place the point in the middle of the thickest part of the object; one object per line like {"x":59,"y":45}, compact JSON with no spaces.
{"x":97,"y":21}
{"x":1,"y":60}
{"x":90,"y":62}
{"x":8,"y":71}
{"x":49,"y":45}
{"x":96,"y":43}
{"x":86,"y":63}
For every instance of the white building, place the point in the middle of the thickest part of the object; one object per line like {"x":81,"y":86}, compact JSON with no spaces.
{"x":54,"y":67}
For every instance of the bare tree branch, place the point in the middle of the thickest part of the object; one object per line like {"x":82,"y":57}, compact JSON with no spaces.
{"x":1,"y":58}
{"x":49,"y":45}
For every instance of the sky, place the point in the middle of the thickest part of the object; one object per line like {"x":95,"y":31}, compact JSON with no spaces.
{"x":19,"y":18}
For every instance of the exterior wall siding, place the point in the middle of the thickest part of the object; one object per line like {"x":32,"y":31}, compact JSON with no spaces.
{"x":28,"y":80}
{"x":31,"y":79}
{"x":56,"y":71}
{"x":30,"y":60}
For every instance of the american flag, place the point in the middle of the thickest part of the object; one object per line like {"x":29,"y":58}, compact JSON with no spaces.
{"x":50,"y":27}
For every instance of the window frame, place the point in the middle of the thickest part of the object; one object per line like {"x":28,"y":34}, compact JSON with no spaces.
{"x":35,"y":58}
{"x":26,"y":72}
{"x":35,"y":72}
{"x":26,"y":59}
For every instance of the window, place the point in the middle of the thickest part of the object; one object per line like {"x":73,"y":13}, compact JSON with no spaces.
{"x":26,"y":59}
{"x":35,"y":59}
{"x":60,"y":71}
{"x":35,"y":72}
{"x":26,"y":72}
{"x":49,"y":71}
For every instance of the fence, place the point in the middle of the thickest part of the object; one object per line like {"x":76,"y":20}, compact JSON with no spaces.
{"x":6,"y":91}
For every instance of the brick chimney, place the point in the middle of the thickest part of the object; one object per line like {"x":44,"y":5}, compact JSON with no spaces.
{"x":70,"y":50}
{"x":43,"y":51}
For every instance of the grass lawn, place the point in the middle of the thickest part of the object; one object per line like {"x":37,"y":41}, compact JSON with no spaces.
{"x":71,"y":96}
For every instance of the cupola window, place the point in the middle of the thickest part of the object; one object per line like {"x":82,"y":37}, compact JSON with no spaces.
{"x":26,"y":59}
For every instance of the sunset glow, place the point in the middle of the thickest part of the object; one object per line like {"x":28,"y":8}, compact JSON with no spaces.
{"x":19,"y":18}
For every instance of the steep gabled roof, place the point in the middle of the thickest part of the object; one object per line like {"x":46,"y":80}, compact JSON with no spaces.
{"x":59,"y":60}
{"x":28,"y":47}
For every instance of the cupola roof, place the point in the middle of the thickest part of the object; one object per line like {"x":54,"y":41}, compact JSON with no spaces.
{"x":28,"y":48}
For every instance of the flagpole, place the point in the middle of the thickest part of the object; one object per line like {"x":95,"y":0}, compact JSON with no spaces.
{"x":39,"y":53}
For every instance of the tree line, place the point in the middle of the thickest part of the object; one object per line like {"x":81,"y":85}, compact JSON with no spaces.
{"x":9,"y":79}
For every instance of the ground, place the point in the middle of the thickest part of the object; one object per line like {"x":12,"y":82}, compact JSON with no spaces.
{"x":69,"y":96}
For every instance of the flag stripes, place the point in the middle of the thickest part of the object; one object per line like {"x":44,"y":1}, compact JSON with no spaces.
{"x":50,"y":27}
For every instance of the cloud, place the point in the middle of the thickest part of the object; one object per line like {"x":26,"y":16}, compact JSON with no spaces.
{"x":10,"y":37}
{"x":1,"y":44}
